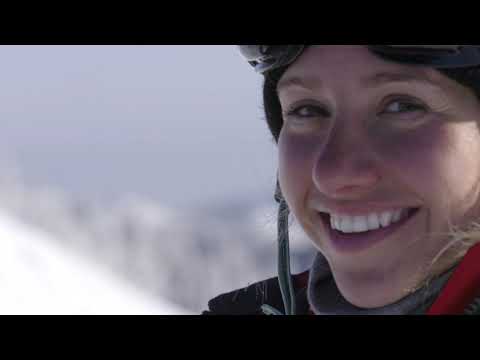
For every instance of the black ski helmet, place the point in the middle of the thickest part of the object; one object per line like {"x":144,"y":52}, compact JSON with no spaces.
{"x":265,"y":58}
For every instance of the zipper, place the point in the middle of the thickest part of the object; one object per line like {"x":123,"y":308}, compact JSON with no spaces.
{"x":473,"y":308}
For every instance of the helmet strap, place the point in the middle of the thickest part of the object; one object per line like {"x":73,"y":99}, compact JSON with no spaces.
{"x":284,"y":271}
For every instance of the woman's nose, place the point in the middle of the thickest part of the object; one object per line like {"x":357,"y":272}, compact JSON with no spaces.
{"x":346,"y":167}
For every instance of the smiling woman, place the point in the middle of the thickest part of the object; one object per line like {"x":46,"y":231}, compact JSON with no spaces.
{"x":372,"y":140}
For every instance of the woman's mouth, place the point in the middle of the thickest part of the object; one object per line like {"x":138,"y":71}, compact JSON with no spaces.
{"x":354,"y":234}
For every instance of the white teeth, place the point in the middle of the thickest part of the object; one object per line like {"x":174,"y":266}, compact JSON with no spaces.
{"x":346,"y":224}
{"x":373,"y":222}
{"x":397,"y":215}
{"x":359,"y":224}
{"x":337,"y":222}
{"x":386,"y":219}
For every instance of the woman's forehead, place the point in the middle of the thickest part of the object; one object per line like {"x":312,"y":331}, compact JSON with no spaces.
{"x":352,"y":63}
{"x":312,"y":82}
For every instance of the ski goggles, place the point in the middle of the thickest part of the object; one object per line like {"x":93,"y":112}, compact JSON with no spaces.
{"x":265,"y":58}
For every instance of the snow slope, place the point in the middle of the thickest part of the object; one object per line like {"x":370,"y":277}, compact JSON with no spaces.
{"x":38,"y":276}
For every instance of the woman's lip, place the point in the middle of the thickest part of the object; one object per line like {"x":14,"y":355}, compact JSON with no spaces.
{"x":365,"y":210}
{"x":352,"y":243}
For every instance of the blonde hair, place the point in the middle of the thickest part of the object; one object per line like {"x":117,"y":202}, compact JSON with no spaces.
{"x":461,"y":240}
{"x":465,"y":238}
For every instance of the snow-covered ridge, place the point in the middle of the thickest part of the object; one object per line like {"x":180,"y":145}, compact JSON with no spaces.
{"x":185,"y":258}
{"x":39,"y":276}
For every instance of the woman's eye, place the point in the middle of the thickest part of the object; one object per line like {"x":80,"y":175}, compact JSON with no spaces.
{"x":308,"y":111}
{"x":401,"y":106}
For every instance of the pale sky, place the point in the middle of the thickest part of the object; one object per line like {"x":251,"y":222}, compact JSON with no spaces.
{"x":180,"y":124}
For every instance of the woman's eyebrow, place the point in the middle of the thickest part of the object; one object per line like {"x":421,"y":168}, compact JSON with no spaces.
{"x":386,"y":78}
{"x":305,"y":83}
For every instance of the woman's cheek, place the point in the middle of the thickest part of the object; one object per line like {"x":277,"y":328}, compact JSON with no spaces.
{"x":419,"y":152}
{"x":427,"y":160}
{"x":296,"y":158}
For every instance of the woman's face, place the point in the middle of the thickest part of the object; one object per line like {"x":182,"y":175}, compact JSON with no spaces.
{"x":386,"y":153}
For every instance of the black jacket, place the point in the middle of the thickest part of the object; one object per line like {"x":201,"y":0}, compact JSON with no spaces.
{"x":248,"y":301}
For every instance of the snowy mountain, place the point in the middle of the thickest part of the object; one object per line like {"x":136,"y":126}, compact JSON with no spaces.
{"x":186,"y":258}
{"x":38,"y":276}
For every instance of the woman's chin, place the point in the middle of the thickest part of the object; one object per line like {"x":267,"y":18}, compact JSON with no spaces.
{"x":371,"y":293}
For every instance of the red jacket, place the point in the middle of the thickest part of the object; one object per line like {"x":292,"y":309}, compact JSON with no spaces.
{"x":463,"y":288}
